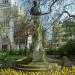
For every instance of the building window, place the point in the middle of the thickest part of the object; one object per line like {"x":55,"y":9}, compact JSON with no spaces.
{"x":4,"y":46}
{"x":5,"y":1}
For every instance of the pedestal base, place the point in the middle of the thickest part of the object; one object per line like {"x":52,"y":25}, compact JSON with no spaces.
{"x":38,"y":67}
{"x":39,"y":56}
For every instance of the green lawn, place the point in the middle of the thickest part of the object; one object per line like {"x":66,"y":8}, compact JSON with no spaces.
{"x":14,"y":57}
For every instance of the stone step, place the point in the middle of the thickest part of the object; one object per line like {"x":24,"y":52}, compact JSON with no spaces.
{"x":32,"y":69}
{"x":30,"y":66}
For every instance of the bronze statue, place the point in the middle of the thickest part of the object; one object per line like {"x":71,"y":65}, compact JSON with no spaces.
{"x":34,"y":9}
{"x":38,"y":51}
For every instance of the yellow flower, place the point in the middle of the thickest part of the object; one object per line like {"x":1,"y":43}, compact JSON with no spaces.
{"x":64,"y":71}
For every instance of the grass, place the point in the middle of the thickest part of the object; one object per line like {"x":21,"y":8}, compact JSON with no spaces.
{"x":14,"y":57}
{"x":11,"y":60}
{"x":21,"y":59}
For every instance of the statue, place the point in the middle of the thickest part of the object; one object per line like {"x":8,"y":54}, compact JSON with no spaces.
{"x":38,"y":52}
{"x":39,"y":61}
{"x":34,"y":10}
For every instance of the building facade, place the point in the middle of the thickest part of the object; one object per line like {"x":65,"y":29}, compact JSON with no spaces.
{"x":10,"y":13}
{"x":5,"y":40}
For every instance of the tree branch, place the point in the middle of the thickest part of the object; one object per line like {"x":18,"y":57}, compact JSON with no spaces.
{"x":40,"y":14}
{"x":60,"y":17}
{"x":53,"y":4}
{"x":68,"y":14}
{"x":51,"y":10}
{"x":68,"y":5}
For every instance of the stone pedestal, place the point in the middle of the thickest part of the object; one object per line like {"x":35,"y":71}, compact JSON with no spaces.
{"x":38,"y":56}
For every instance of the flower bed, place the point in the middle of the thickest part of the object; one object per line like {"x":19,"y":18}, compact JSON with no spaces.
{"x":63,"y":71}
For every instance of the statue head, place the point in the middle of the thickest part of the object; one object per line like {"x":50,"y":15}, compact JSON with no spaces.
{"x":34,"y":9}
{"x":34,"y":3}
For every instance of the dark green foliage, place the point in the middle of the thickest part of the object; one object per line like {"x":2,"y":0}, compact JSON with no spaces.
{"x":17,"y":52}
{"x":62,"y":51}
{"x":69,"y":27}
{"x":52,"y":52}
{"x":68,"y":49}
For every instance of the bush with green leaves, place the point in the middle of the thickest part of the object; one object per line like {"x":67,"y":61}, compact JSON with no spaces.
{"x":52,"y":52}
{"x":17,"y":52}
{"x":68,"y":49}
